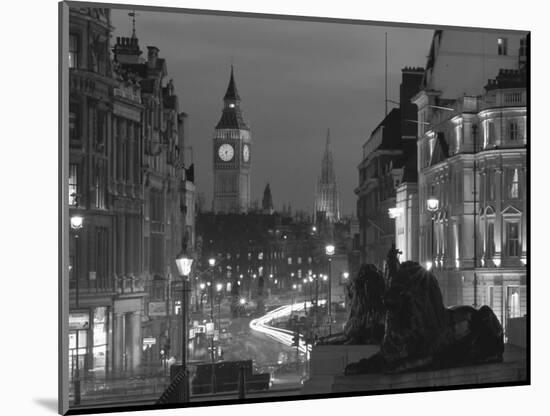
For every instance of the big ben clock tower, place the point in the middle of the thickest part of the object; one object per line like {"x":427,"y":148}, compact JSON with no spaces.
{"x":232,"y":143}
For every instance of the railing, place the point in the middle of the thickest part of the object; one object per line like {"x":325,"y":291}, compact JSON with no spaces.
{"x":119,"y":389}
{"x":128,"y":95}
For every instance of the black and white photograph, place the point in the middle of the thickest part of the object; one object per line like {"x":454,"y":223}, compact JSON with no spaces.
{"x":268,"y":208}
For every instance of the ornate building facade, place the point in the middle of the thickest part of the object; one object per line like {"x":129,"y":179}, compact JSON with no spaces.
{"x":232,"y":156}
{"x":128,"y":192}
{"x":472,"y":160}
{"x":327,"y":202}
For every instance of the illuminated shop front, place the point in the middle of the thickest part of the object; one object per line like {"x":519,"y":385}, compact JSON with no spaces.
{"x":89,"y":341}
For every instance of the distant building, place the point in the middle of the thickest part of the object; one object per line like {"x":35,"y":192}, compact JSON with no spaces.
{"x":389,"y":160}
{"x":232,"y":156}
{"x":472,"y":160}
{"x":267,"y":201}
{"x":327,"y":203}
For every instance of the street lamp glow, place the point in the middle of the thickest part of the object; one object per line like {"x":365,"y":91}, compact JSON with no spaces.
{"x":432,"y":204}
{"x":202,"y":286}
{"x":429,"y":265}
{"x":184,"y":264}
{"x":219,"y":287}
{"x":329,"y":249}
{"x":276,"y":281}
{"x":314,"y":228}
{"x":212,"y":262}
{"x":325,"y":277}
{"x":76,"y":222}
{"x":345,"y":275}
{"x":294,"y":286}
{"x":242,"y":301}
{"x":305,"y":280}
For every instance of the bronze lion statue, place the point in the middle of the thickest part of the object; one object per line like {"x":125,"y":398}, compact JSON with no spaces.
{"x":420,"y":332}
{"x":365,"y":324}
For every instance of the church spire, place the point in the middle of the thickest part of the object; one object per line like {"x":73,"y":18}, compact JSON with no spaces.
{"x":267,"y":201}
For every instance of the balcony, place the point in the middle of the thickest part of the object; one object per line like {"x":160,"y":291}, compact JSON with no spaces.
{"x":129,"y":284}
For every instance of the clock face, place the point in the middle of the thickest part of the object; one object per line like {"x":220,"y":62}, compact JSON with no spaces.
{"x":246,"y":153}
{"x":225,"y":152}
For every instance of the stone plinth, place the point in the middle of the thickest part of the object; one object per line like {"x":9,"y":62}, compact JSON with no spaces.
{"x":329,"y":361}
{"x":512,"y":369}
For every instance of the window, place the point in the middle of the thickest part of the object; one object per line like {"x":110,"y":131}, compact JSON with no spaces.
{"x":74,"y":117}
{"x":299,"y":260}
{"x":490,"y":243}
{"x":489,"y":133}
{"x":290,"y":260}
{"x":100,"y":183}
{"x":513,"y":130}
{"x":73,"y":184}
{"x":459,"y":137}
{"x":512,"y":239}
{"x":514,"y":310}
{"x":102,"y":256}
{"x":502,"y":46}
{"x":514,"y":185}
{"x":299,"y":273}
{"x":491,"y":185}
{"x":73,"y":51}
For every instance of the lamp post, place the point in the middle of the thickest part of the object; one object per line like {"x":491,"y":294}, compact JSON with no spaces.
{"x":294,"y":286}
{"x":212,"y":263}
{"x":77,"y":223}
{"x":219,"y":288}
{"x":432,"y":205}
{"x":184,"y":264}
{"x":305,"y":295}
{"x":329,"y":250}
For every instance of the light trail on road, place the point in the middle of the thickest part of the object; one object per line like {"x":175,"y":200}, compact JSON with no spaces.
{"x":283,"y":336}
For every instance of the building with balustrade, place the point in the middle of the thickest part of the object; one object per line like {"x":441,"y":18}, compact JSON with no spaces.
{"x":472,"y":144}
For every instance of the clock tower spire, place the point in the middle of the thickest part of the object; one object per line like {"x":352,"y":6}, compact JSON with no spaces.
{"x":232,"y":143}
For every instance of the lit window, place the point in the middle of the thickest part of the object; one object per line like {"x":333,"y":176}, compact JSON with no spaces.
{"x":73,"y":51}
{"x":299,"y":260}
{"x":73,"y":184}
{"x":512,"y":239}
{"x":290,"y":260}
{"x":514,"y":185}
{"x":490,"y":247}
{"x":73,"y":122}
{"x":299,"y":273}
{"x":502,"y":46}
{"x":514,"y":310}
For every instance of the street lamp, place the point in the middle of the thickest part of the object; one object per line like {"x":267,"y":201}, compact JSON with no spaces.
{"x":77,"y":222}
{"x":432,"y":205}
{"x":219,"y":288}
{"x":184,"y":264}
{"x":329,"y":250}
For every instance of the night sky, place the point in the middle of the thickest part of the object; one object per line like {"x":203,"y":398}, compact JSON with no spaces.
{"x":295,"y":79}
